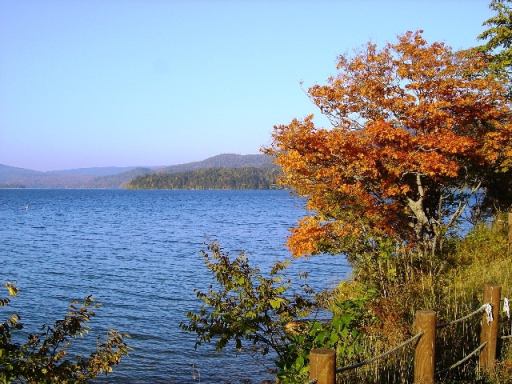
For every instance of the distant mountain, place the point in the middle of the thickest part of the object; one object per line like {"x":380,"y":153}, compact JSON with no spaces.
{"x":94,"y":171}
{"x":68,"y":178}
{"x":120,"y":179}
{"x":30,"y":178}
{"x":8,"y":173}
{"x":226,"y":160}
{"x":116,"y":177}
{"x":10,"y":176}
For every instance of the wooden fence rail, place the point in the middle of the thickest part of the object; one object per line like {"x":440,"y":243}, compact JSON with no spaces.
{"x":323,"y":361}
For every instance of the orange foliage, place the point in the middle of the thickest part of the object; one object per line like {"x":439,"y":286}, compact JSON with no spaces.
{"x":412,"y":123}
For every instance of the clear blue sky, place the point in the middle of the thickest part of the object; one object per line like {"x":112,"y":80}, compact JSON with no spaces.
{"x":147,"y":82}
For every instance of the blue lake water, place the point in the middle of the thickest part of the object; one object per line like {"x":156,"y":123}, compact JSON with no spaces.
{"x":138,"y":253}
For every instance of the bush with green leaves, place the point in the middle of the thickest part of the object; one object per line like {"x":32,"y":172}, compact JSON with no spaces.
{"x":45,"y":356}
{"x":258,"y":314}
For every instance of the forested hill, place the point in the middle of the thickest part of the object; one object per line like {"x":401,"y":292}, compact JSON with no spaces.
{"x":211,"y":178}
{"x":117,"y":177}
{"x":225,"y":160}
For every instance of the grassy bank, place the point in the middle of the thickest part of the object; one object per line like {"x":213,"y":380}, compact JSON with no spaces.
{"x":452,"y":285}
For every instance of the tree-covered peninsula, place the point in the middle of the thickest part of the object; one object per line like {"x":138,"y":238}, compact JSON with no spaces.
{"x":211,"y":178}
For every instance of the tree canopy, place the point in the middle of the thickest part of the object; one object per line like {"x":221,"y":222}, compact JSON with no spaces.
{"x":499,"y":37}
{"x":419,"y":132}
{"x":210,"y":178}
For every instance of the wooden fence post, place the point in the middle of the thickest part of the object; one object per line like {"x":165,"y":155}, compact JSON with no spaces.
{"x":425,"y":354}
{"x":489,"y":332}
{"x":322,"y":365}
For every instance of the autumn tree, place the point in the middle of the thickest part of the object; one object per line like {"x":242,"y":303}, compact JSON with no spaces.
{"x":419,"y":132}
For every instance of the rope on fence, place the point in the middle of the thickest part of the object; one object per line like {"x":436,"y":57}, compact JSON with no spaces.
{"x":368,"y":361}
{"x":484,"y":307}
{"x":465,"y":358}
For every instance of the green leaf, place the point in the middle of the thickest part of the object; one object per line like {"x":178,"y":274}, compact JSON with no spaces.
{"x":299,"y":362}
{"x":276,"y":303}
{"x":11,"y":289}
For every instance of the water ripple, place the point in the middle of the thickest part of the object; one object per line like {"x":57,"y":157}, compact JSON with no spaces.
{"x":138,"y":252}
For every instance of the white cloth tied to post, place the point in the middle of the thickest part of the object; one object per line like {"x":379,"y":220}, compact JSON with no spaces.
{"x":488,"y":312}
{"x":506,"y":307}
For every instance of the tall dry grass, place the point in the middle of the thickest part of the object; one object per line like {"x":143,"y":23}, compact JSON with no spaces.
{"x":452,"y":285}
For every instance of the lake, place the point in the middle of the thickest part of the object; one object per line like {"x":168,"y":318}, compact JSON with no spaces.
{"x":138,"y":253}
